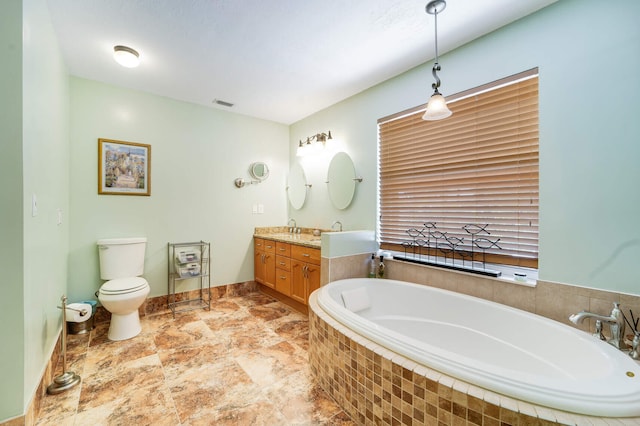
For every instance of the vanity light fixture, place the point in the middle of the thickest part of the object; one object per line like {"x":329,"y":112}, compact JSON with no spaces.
{"x":126,"y":56}
{"x":313,"y":143}
{"x":437,"y":105}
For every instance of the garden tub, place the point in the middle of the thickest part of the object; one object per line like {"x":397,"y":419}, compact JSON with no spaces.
{"x":505,"y":350}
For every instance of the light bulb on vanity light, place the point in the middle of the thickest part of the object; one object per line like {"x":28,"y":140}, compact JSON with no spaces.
{"x":126,"y":56}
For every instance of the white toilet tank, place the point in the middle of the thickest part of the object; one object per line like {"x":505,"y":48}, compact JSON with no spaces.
{"x":121,"y":257}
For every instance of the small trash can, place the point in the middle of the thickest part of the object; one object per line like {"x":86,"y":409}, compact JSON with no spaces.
{"x":85,"y":326}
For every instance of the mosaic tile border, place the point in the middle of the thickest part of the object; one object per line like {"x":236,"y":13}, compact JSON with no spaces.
{"x":376,"y":386}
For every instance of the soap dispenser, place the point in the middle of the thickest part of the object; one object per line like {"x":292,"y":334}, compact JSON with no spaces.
{"x":372,"y":266}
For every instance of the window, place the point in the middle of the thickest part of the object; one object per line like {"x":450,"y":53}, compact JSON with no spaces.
{"x":480,"y":166}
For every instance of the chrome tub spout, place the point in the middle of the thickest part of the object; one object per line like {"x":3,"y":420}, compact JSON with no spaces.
{"x":615,"y":320}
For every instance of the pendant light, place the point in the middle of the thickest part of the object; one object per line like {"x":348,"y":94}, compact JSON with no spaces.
{"x":437,"y":106}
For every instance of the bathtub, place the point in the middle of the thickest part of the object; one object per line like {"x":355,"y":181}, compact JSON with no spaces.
{"x":493,"y":346}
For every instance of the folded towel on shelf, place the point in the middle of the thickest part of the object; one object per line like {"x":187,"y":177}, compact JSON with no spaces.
{"x":356,"y":300}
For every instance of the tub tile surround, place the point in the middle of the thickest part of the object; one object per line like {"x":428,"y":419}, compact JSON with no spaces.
{"x":556,"y":301}
{"x":242,"y":362}
{"x":376,"y":386}
{"x":352,"y":368}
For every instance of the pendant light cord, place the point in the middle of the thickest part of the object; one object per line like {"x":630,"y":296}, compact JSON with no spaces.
{"x":436,"y":65}
{"x":435,"y":14}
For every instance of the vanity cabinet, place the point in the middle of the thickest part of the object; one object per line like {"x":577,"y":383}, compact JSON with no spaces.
{"x":264,"y":262}
{"x":292,"y":270}
{"x":283,"y":268}
{"x":305,"y":272}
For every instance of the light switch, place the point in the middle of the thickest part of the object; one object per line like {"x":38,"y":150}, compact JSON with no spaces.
{"x":254,"y":209}
{"x":34,"y":205}
{"x":260,"y":208}
{"x":59,"y":216}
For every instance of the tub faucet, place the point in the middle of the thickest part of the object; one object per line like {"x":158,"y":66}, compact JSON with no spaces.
{"x":615,"y":321}
{"x":295,"y":226}
{"x":337,"y":222}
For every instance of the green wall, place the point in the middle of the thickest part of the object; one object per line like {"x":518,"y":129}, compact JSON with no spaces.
{"x":46,"y":174}
{"x":589,"y":131}
{"x":35,"y":124}
{"x":11,"y":249}
{"x":196,"y":153}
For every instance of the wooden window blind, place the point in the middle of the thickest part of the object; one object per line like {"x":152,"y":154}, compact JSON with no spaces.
{"x":480,"y":166}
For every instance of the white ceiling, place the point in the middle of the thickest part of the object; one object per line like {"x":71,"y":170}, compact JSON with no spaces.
{"x":279,"y":60}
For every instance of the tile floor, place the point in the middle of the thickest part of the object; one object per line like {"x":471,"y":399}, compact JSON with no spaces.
{"x":242,"y":363}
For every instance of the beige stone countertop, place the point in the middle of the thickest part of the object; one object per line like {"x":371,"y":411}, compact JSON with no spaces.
{"x":281,"y":233}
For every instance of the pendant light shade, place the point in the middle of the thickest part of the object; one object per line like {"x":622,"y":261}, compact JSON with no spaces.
{"x":126,"y":56}
{"x":437,"y":107}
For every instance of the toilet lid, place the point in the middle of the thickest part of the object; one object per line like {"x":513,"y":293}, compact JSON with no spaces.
{"x":123,"y":285}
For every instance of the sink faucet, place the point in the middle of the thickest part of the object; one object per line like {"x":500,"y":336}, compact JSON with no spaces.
{"x":615,"y":321}
{"x":292,"y":230}
{"x":337,"y":222}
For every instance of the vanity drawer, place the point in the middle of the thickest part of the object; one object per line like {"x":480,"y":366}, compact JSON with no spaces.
{"x":283,"y":249}
{"x":283,"y":263}
{"x":305,"y":254}
{"x":269,"y":246}
{"x":258,"y":243}
{"x":283,"y":281}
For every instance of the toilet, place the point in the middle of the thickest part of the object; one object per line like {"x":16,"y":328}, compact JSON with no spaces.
{"x":122,"y":263}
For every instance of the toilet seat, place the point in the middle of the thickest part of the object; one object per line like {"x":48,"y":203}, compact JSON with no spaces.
{"x":123,"y":285}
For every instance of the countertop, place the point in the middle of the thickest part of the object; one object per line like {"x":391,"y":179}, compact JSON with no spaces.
{"x":281,"y":233}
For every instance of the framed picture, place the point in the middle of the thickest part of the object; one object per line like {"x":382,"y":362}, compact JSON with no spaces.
{"x":124,"y":168}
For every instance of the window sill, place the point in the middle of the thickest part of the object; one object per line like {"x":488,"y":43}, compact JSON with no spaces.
{"x":527,"y":277}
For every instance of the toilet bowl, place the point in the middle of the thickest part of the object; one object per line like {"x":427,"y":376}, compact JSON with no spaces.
{"x":122,"y":263}
{"x":123,"y":297}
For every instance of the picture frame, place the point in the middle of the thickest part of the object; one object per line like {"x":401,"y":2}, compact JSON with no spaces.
{"x":124,"y":168}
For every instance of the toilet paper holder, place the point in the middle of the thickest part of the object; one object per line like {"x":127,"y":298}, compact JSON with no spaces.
{"x":67,"y":379}
{"x":82,"y":312}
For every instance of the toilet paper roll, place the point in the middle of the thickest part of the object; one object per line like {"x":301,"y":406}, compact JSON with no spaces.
{"x":73,"y":314}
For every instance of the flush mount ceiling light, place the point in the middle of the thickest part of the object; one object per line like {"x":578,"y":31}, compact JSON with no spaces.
{"x":313,"y":143}
{"x":437,"y":106}
{"x":126,"y":56}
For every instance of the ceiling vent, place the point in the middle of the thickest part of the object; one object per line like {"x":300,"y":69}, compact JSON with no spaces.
{"x":223,"y":103}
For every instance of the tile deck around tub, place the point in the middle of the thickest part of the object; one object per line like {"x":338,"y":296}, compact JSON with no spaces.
{"x":245,"y":362}
{"x":376,"y":386}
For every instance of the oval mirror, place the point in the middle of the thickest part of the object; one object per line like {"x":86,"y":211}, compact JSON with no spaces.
{"x":297,"y":186}
{"x":341,"y":180}
{"x":259,"y":171}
